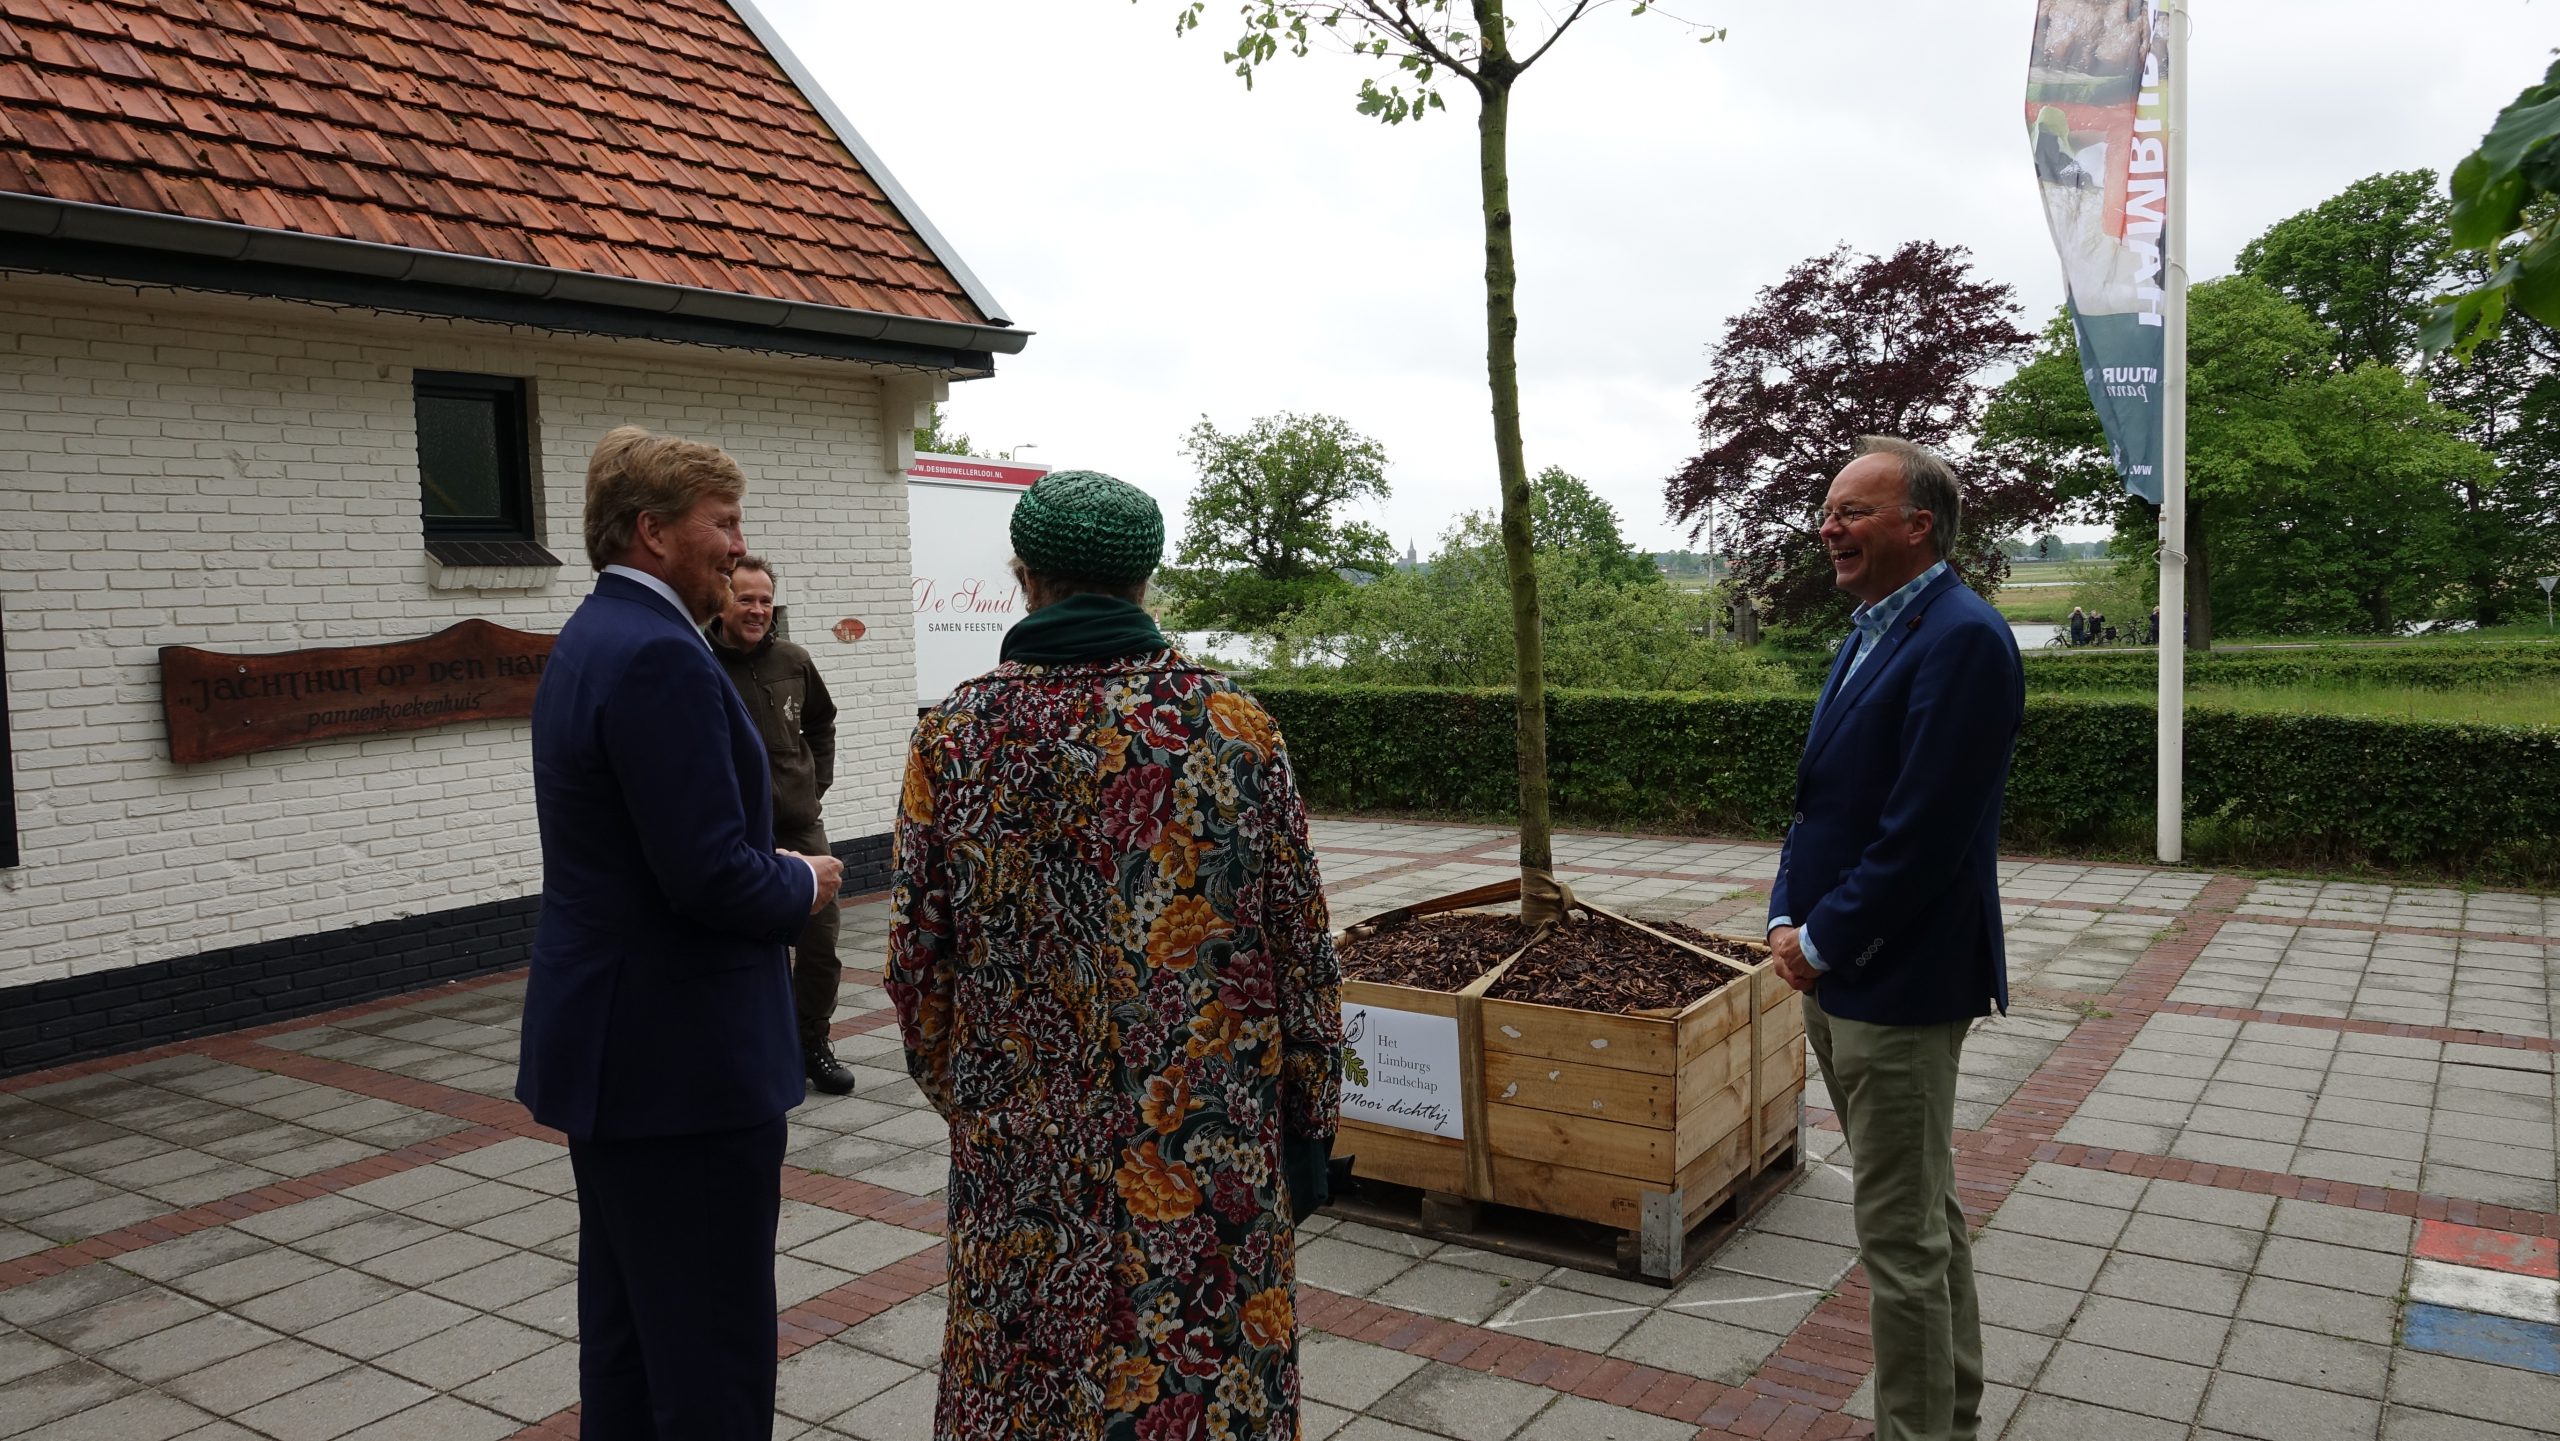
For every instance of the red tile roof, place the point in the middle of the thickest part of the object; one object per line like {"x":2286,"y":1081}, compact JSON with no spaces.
{"x":653,"y":140}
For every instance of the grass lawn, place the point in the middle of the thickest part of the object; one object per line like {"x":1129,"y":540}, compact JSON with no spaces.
{"x":2050,"y":606}
{"x":2524,"y":703}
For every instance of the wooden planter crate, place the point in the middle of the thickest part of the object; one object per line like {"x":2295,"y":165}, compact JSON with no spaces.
{"x":1664,"y":1129}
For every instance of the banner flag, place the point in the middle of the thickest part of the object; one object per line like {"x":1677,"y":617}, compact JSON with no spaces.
{"x":2097,"y":118}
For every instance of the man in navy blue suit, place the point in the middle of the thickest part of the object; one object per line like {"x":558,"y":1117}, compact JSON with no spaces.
{"x":1886,"y":909}
{"x":658,"y":1029}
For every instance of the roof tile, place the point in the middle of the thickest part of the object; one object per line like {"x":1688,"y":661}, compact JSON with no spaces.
{"x":656,"y":141}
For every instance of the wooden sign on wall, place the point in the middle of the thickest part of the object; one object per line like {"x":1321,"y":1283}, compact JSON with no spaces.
{"x":228,"y":705}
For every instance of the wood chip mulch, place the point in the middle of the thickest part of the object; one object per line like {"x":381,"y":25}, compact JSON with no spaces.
{"x":1591,"y":964}
{"x":1432,"y":953}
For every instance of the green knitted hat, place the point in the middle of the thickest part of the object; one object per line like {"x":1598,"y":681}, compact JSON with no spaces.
{"x":1084,"y":525}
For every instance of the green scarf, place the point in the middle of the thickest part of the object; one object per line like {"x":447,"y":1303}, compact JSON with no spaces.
{"x":1081,"y":628}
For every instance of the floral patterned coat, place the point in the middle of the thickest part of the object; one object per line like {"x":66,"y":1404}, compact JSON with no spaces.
{"x":1112,"y":966}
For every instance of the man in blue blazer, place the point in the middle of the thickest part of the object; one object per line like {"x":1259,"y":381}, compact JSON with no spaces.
{"x":658,"y":1030}
{"x":1886,"y":909}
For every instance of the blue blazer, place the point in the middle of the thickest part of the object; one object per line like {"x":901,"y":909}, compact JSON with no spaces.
{"x":660,"y":998}
{"x":1893,"y":856}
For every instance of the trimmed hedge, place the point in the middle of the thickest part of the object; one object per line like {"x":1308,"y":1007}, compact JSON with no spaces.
{"x":2481,"y":802}
{"x":2416,"y":668}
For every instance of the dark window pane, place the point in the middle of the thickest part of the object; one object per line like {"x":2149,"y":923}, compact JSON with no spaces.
{"x":460,"y":471}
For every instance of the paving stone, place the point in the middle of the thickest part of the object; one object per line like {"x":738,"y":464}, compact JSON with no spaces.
{"x":189,"y":1346}
{"x":1696,"y":1346}
{"x":1346,"y":1269}
{"x":537,"y":1386}
{"x":58,"y":1391}
{"x":302,"y":1219}
{"x":2122,"y":1380}
{"x":2012,"y":1357}
{"x":901,"y":1413}
{"x":2057,"y":1418}
{"x":2074,"y":1183}
{"x":2148,"y":1330}
{"x":1456,"y":1402}
{"x":25,"y":1355}
{"x":2326,"y":1363}
{"x":2171,"y":1283}
{"x":2343,"y":1226}
{"x":2318,"y":1263}
{"x":864,"y":1246}
{"x":477,"y":1347}
{"x":66,"y":1292}
{"x":1350,"y":1374}
{"x":316,"y":1301}
{"x":2471,"y":1389}
{"x":444,"y":1254}
{"x":1449,"y":1292}
{"x":911,"y":1331}
{"x":2027,"y":1305}
{"x":1745,"y":1301}
{"x":2279,"y":1302}
{"x":2061,"y":1220}
{"x":139,"y":1416}
{"x":2034,"y":1258}
{"x":387,"y":1325}
{"x":1786,"y":1258}
{"x":375,"y":1233}
{"x":498,"y":1284}
{"x":1572,"y":1418}
{"x":2402,"y":1423}
{"x":833,"y":1377}
{"x":233,"y":1385}
{"x":332,"y":1406}
{"x":2178,"y":1239}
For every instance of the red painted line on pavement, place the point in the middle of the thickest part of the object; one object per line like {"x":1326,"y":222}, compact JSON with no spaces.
{"x":2490,"y":1250}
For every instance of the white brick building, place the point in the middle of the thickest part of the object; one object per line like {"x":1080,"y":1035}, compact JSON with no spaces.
{"x":226,"y":453}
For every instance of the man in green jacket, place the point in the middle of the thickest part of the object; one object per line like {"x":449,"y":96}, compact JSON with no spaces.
{"x":791,"y":707}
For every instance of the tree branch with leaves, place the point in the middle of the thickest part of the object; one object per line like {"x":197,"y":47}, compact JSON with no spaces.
{"x":1428,"y":44}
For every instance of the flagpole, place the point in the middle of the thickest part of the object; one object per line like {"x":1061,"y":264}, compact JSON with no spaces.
{"x":2172,"y":647}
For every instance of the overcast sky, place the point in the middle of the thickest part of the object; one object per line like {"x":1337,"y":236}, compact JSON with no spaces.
{"x":1181,"y":247}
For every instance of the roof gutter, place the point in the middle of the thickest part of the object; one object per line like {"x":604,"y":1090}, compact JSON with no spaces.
{"x":78,"y":222}
{"x":835,"y":119}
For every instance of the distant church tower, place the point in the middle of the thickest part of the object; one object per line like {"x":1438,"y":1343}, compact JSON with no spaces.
{"x":1412,"y":559}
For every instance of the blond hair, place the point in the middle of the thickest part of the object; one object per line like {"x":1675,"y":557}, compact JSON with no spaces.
{"x":638,"y":472}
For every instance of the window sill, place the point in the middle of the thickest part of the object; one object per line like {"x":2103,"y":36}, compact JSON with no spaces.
{"x":489,"y":565}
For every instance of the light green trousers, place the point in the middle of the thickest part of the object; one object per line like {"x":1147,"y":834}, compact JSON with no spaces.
{"x":1895,"y":1090}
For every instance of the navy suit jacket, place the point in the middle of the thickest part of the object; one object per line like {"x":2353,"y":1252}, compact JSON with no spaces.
{"x":660,"y":998}
{"x":1893,"y":857}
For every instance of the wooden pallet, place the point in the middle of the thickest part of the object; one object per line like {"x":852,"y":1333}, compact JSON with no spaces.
{"x":1658,"y":1253}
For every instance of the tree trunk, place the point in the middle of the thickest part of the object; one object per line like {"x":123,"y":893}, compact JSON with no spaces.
{"x":2199,"y":579}
{"x":1502,"y":372}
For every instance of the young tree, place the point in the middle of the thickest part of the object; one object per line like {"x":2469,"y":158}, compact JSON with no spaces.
{"x":1266,"y":532}
{"x":1848,"y":345}
{"x":1431,"y":42}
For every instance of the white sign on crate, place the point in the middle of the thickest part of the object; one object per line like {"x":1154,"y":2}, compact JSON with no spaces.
{"x":1400,"y":1068}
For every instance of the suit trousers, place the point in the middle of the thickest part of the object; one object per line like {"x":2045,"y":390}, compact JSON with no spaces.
{"x":816,"y":969}
{"x":675,"y":1285}
{"x":1894,"y":1088}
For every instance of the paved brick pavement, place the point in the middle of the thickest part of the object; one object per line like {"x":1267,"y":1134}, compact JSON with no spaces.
{"x":2263,"y":1159}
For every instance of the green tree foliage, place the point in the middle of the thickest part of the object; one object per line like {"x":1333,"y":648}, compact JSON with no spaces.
{"x":1567,"y":518}
{"x":936,"y":437}
{"x":2317,"y":498}
{"x":2366,"y":263}
{"x":1450,"y":624}
{"x":2502,"y":213}
{"x":1267,"y":531}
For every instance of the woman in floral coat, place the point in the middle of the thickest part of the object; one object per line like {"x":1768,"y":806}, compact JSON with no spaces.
{"x":1111,"y":964}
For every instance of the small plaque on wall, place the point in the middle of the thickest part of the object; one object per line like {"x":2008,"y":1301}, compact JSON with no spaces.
{"x":228,"y":705}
